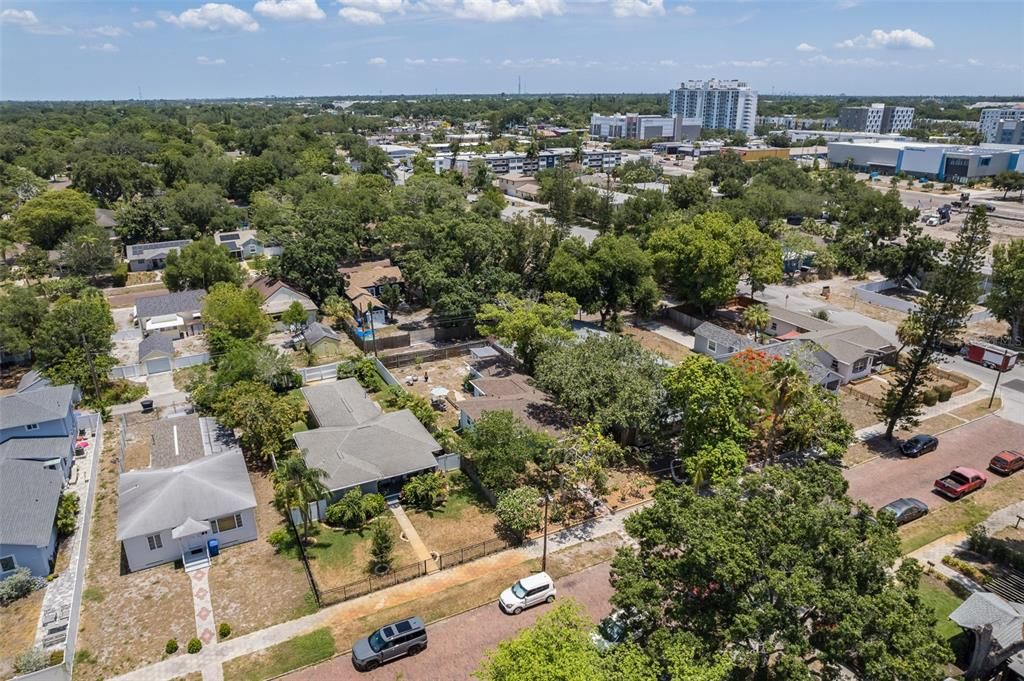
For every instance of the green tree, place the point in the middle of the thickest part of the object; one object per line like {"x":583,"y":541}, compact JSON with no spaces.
{"x":199,"y":205}
{"x":623,"y":276}
{"x":294,"y":316}
{"x":382,"y":543}
{"x":33,"y":264}
{"x":73,"y":340}
{"x":296,"y":486}
{"x":109,"y":178}
{"x":780,"y":573}
{"x":531,"y":326}
{"x":426,"y":491}
{"x":250,"y":175}
{"x":756,"y":318}
{"x":21,"y":312}
{"x":310,"y":267}
{"x":87,"y":251}
{"x":200,"y":265}
{"x":519,"y":511}
{"x":558,"y":189}
{"x":1006,"y":297}
{"x":48,"y":218}
{"x":1009,"y":181}
{"x":233,"y":313}
{"x":711,"y":403}
{"x":67,"y":511}
{"x":264,"y":418}
{"x":146,"y":220}
{"x":502,"y":448}
{"x":686,"y":192}
{"x":942,"y":314}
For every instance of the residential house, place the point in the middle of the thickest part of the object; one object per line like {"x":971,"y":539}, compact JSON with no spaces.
{"x":519,"y":185}
{"x":156,"y":353}
{"x":175,"y":314}
{"x":321,"y":340}
{"x":787,"y":324}
{"x":244,"y":244}
{"x":850,"y":351}
{"x":195,"y":492}
{"x":497,"y":386}
{"x":39,"y":425}
{"x":29,"y":496}
{"x":278,"y":296}
{"x":358,"y":445}
{"x":718,"y":342}
{"x":145,"y":257}
{"x":994,"y":627}
{"x":365,"y":284}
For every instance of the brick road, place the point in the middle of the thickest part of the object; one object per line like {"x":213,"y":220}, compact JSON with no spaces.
{"x":892,"y":476}
{"x":457,"y":645}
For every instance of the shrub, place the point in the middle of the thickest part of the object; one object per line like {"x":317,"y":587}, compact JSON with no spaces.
{"x":31,"y":660}
{"x":930,"y":397}
{"x":944,"y":392}
{"x":194,"y":646}
{"x":279,"y":537}
{"x":383,"y":546}
{"x":374,"y":505}
{"x":223,"y":630}
{"x":56,"y":658}
{"x":119,"y":277}
{"x":363,"y":371}
{"x":965,"y":569}
{"x":67,"y":510}
{"x":18,"y":585}
{"x":394,"y":398}
{"x":171,"y":647}
{"x":518,"y":511}
{"x":85,"y":656}
{"x":821,"y":314}
{"x":948,"y":187}
{"x":347,"y":511}
{"x":928,"y":185}
{"x":426,"y":491}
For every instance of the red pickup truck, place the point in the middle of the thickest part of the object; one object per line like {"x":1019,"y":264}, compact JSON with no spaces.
{"x":960,"y":482}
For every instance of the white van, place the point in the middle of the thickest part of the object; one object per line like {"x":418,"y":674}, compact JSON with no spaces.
{"x":526,"y":593}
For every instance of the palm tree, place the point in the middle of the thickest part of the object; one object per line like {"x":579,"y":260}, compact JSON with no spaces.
{"x":756,"y":318}
{"x":296,"y":485}
{"x":789,"y":382}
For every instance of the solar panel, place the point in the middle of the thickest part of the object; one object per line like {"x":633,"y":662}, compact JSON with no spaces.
{"x":233,"y":236}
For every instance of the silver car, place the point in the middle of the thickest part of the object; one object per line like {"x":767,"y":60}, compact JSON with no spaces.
{"x":405,"y":637}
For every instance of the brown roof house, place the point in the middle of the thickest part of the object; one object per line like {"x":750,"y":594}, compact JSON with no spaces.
{"x":278,"y":296}
{"x":365,"y":284}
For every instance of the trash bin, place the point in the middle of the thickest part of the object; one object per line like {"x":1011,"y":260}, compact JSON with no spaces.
{"x":147,"y":406}
{"x":214,"y":546}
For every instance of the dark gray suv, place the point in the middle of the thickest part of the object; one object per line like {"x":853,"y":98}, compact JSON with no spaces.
{"x":405,"y":637}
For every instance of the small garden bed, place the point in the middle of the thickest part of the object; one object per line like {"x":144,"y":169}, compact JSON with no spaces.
{"x":628,"y":487}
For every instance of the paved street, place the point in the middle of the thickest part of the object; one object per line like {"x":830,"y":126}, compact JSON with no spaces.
{"x":457,"y":645}
{"x":892,"y":476}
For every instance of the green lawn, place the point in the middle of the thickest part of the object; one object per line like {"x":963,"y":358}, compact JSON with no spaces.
{"x":465,"y":518}
{"x":939,"y":598}
{"x":298,"y":652}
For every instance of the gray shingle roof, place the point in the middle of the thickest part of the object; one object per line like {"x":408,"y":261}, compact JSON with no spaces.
{"x":158,"y":343}
{"x":724,"y":337}
{"x":32,"y":380}
{"x":155,"y":500}
{"x":981,"y":608}
{"x":850,"y":343}
{"x":341,"y":403}
{"x":36,"y":406}
{"x":176,"y":441}
{"x":390,"y":445}
{"x":29,"y":495}
{"x":798,"y":319}
{"x":35,"y":448}
{"x":155,"y":249}
{"x":804,"y":356}
{"x":170,"y":303}
{"x":316,"y":332}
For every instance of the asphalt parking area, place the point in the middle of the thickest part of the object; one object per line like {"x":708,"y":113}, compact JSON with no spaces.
{"x":891,"y":476}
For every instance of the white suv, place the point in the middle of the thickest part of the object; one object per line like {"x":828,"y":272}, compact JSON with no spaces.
{"x":526,"y":593}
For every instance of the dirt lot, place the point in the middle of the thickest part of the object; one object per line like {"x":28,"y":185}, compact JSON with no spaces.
{"x":673,"y":352}
{"x":139,"y":437}
{"x":876,"y":386}
{"x":891,"y":476}
{"x":126,"y":297}
{"x":18,"y":624}
{"x":858,"y":412}
{"x":190,"y":345}
{"x":443,"y":373}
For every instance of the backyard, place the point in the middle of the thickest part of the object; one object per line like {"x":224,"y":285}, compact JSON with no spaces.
{"x":18,"y":623}
{"x":443,"y":373}
{"x":466,"y":518}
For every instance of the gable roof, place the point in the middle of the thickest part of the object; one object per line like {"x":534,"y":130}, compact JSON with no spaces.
{"x":170,"y":303}
{"x":40,"y":405}
{"x":391,"y":444}
{"x":267,"y":287}
{"x":35,"y":448}
{"x":32,"y":380}
{"x":175,"y":441}
{"x":362,"y":276}
{"x":156,"y":343}
{"x":724,"y":337}
{"x":155,"y":249}
{"x":802,"y":355}
{"x":981,"y":608}
{"x":316,"y":332}
{"x":29,"y":494}
{"x":849,"y":343}
{"x":507,"y":390}
{"x":154,"y":500}
{"x":234,"y":239}
{"x":797,"y":319}
{"x":340,"y":403}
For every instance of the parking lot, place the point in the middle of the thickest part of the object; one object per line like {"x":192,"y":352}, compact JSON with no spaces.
{"x":891,"y":476}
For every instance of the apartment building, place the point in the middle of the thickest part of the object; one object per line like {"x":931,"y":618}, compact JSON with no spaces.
{"x":721,"y":104}
{"x":631,"y":126}
{"x":877,"y":118}
{"x":519,"y":162}
{"x":1002,"y":126}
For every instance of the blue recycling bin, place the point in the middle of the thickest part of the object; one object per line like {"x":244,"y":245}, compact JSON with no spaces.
{"x":214,"y":546}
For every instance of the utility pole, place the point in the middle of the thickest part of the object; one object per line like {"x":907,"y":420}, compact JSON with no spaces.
{"x":92,"y":368}
{"x":544,"y":554}
{"x":999,"y":373}
{"x":373,"y":332}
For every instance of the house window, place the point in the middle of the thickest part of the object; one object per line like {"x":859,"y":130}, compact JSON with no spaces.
{"x":835,"y":365}
{"x":775,"y":326}
{"x":155,"y":542}
{"x":7,"y":563}
{"x":32,"y":426}
{"x":712,"y":346}
{"x":860,"y":365}
{"x":228,"y":522}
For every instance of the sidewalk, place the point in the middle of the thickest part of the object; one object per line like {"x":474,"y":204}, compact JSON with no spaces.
{"x":182,"y":664}
{"x":938,"y":409}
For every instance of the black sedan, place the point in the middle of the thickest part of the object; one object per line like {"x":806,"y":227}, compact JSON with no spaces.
{"x":919,"y":444}
{"x":905,"y":510}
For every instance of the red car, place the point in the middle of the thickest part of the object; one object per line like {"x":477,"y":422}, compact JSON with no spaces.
{"x":1006,"y":462}
{"x":960,"y":482}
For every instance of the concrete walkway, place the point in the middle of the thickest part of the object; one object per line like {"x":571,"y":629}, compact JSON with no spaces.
{"x":206,"y":627}
{"x":179,"y":665}
{"x":413,"y":537}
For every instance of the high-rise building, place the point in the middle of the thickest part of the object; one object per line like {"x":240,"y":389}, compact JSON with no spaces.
{"x":1002,"y":126}
{"x":723,"y":104}
{"x":877,"y":118}
{"x":631,"y":126}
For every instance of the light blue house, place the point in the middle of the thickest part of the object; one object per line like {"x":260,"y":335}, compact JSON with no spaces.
{"x":39,"y":424}
{"x":29,"y":495}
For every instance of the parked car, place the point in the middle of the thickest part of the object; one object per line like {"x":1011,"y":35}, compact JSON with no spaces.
{"x":1006,"y":462}
{"x":610,"y":631}
{"x":526,"y":593}
{"x":960,"y":482}
{"x":398,"y":639}
{"x":905,"y":509}
{"x":919,"y":444}
{"x":990,"y":207}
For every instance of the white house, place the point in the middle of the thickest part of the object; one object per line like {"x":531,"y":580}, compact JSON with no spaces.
{"x":145,"y":257}
{"x":850,"y":351}
{"x":176,"y":314}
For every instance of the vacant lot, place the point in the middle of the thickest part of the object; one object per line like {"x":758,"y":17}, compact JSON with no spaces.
{"x":445,"y":373}
{"x":466,"y":518}
{"x":858,"y":412}
{"x":18,"y":623}
{"x":673,"y":352}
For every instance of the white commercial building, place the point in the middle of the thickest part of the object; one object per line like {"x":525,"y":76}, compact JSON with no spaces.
{"x":631,"y":126}
{"x":720,"y":104}
{"x":877,"y":118}
{"x":943,"y":162}
{"x":999,"y":126}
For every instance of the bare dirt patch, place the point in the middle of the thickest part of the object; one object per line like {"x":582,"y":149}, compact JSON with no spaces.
{"x":122,"y":297}
{"x":136,"y":278}
{"x":139,"y":438}
{"x":858,"y":412}
{"x":190,"y":345}
{"x":465,"y":519}
{"x":673,"y":352}
{"x":443,"y":373}
{"x":18,"y":624}
{"x":975,"y":410}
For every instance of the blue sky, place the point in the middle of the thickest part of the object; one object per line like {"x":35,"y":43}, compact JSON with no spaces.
{"x":110,"y":49}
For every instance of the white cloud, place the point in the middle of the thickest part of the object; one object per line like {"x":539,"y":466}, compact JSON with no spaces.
{"x":685,"y":10}
{"x":806,"y":47}
{"x":214,"y":16}
{"x":210,"y":61}
{"x":506,"y":10}
{"x":144,"y":25}
{"x":377,"y":61}
{"x":290,"y":10}
{"x":447,"y":60}
{"x":896,"y":39}
{"x":415,"y":62}
{"x":822,"y":60}
{"x":754,"y":63}
{"x":975,"y":62}
{"x":668,"y":62}
{"x":360,"y":16}
{"x":847,"y":4}
{"x":106,"y":31}
{"x":638,"y":8}
{"x":109,"y":48}
{"x":19,"y":17}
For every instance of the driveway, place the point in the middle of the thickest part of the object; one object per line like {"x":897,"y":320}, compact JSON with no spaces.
{"x":891,"y":476}
{"x":458,"y":644}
